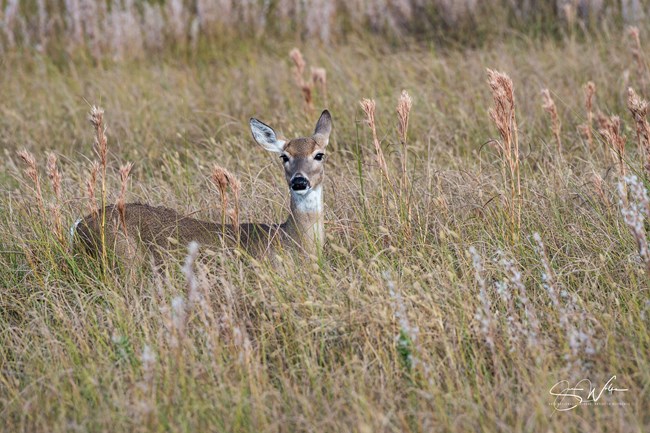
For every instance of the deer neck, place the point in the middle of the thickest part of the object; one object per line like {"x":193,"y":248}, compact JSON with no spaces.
{"x":305,"y":223}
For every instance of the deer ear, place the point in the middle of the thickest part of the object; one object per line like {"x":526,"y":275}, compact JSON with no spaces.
{"x":265,"y":136}
{"x":323,"y":128}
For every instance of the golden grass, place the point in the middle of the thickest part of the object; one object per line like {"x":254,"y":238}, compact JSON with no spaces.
{"x":441,"y":320}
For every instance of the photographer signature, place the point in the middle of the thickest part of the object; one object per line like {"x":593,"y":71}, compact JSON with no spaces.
{"x":569,"y":397}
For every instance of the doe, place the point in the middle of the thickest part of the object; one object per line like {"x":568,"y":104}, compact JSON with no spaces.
{"x":159,"y":229}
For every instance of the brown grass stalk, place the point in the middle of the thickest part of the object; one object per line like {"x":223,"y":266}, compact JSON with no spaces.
{"x":31,"y":171}
{"x":610,"y":128}
{"x":298,"y":73}
{"x":121,"y":205}
{"x":403,"y":109}
{"x":549,"y":106}
{"x":96,"y":118}
{"x":404,"y":105}
{"x":54,"y":175}
{"x":223,"y":180}
{"x":368,"y":106}
{"x":637,"y":55}
{"x":586,"y":129}
{"x":504,"y":117}
{"x":598,"y":183}
{"x":319,"y":79}
{"x":639,"y":109}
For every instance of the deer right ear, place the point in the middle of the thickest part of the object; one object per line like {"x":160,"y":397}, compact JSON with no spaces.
{"x":265,"y":136}
{"x":323,"y":128}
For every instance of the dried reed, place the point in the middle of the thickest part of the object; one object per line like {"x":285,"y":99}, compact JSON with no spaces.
{"x":403,"y":109}
{"x":96,"y":118}
{"x":637,"y":54}
{"x":504,"y":117}
{"x":319,"y":79}
{"x":31,"y":171}
{"x":223,"y":179}
{"x":610,"y":128}
{"x":368,"y":106}
{"x":121,"y":206}
{"x":54,"y":175}
{"x":404,"y":105}
{"x":586,"y":128}
{"x":550,"y":107}
{"x":298,"y":73}
{"x":639,"y":109}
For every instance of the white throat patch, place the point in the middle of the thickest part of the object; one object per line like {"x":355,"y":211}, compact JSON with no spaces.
{"x":309,"y":201}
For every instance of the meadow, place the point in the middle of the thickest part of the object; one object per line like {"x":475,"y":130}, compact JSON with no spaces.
{"x":480,"y":249}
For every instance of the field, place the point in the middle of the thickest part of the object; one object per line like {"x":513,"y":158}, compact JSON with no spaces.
{"x":461,"y":283}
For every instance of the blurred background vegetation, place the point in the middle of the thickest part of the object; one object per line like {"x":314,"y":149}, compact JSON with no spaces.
{"x":132,"y":28}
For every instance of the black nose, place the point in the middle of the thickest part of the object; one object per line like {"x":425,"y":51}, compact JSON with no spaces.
{"x":299,"y":183}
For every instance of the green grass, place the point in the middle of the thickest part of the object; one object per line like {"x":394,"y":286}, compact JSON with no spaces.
{"x":293,"y":345}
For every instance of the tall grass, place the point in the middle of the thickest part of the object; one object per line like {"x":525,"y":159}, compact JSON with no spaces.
{"x":425,"y":313}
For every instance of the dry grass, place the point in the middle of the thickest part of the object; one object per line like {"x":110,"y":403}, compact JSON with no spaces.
{"x":503,"y":114}
{"x":438,"y":319}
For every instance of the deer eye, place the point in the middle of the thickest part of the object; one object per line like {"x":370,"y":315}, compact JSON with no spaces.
{"x":319,"y":156}
{"x":285,"y":158}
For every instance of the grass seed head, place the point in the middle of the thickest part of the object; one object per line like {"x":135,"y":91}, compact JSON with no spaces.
{"x":550,"y":107}
{"x":54,"y":175}
{"x":31,"y":170}
{"x":404,"y":105}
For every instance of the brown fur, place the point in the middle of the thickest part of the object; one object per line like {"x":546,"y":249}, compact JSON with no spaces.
{"x":160,"y":229}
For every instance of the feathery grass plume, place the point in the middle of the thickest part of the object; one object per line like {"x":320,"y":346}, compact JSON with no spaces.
{"x":484,"y":315}
{"x":368,"y":106}
{"x":637,"y":54}
{"x":193,"y":295}
{"x":96,"y":118}
{"x":580,"y":339}
{"x":639,"y":109}
{"x":532,"y":331}
{"x":408,"y":345}
{"x":403,"y":109}
{"x":586,"y":128}
{"x":319,"y":78}
{"x":610,"y":128}
{"x":298,"y":73}
{"x":633,"y":211}
{"x":148,"y":360}
{"x":223,"y":179}
{"x":504,"y":117}
{"x":143,"y":405}
{"x":404,"y":105}
{"x":91,"y":181}
{"x":121,"y":206}
{"x":54,"y":175}
{"x":31,"y":171}
{"x":178,"y":321}
{"x":549,"y":106}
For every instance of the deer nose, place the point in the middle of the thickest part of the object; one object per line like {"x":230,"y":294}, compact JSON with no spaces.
{"x":299,"y":183}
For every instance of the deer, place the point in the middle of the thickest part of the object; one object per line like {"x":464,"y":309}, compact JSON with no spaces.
{"x":158,"y":229}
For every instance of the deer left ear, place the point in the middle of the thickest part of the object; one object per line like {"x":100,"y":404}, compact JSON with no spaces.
{"x":323,"y":128}
{"x":265,"y":136}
